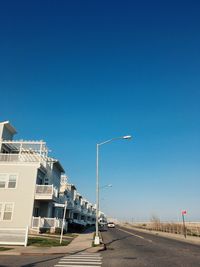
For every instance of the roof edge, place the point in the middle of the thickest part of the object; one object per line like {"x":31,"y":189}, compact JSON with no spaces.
{"x":9,"y":126}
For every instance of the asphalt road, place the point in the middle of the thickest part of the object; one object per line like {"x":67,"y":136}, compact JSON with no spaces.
{"x":129,"y":248}
{"x":125,"y":248}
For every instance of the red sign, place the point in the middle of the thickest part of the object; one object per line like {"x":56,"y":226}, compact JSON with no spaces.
{"x":184,"y":212}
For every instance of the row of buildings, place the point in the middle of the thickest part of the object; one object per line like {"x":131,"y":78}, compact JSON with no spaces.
{"x":33,"y":184}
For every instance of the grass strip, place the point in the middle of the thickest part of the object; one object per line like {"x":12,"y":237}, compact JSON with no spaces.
{"x":45,"y":242}
{"x":4,"y":249}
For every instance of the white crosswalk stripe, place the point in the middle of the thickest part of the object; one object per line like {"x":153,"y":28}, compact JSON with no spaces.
{"x":81,"y":260}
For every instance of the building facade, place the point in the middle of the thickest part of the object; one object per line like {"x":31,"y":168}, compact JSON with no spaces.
{"x":32,"y":184}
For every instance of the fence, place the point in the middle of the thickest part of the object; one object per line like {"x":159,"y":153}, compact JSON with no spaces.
{"x":48,"y":223}
{"x":174,"y":228}
{"x":14,"y":236}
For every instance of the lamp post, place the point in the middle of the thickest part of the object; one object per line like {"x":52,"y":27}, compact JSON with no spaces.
{"x":105,"y":186}
{"x":96,"y":240}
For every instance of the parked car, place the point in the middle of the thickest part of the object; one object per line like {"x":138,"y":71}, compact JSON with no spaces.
{"x":111,"y":225}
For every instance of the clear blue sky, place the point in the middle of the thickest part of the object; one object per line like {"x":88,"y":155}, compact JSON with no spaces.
{"x":75,"y":73}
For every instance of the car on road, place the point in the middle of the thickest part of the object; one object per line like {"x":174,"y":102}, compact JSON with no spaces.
{"x":111,"y":225}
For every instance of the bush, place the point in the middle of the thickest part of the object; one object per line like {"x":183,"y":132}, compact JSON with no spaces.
{"x":43,"y":230}
{"x":58,"y":231}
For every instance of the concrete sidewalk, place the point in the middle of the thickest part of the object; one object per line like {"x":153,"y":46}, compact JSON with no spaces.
{"x":83,"y":242}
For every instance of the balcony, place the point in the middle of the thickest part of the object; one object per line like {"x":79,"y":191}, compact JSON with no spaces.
{"x":70,"y":204}
{"x":80,"y":222}
{"x":84,"y":210}
{"x":46,"y":192}
{"x":77,"y":207}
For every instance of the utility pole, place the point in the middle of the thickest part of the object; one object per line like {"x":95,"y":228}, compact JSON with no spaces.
{"x":184,"y":226}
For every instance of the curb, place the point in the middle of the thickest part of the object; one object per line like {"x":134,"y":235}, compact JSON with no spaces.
{"x":10,"y":254}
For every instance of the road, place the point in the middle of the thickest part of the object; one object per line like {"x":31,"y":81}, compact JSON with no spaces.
{"x":129,"y":248}
{"x":81,"y":259}
{"x":29,"y":261}
{"x":125,"y":248}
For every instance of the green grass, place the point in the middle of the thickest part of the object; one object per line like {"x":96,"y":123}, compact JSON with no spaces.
{"x":4,"y":249}
{"x":45,"y":242}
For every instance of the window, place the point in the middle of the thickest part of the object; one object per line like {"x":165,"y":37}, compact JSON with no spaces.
{"x":12,"y":181}
{"x":3,"y":179}
{"x":6,"y":211}
{"x":8,"y":180}
{"x":1,"y":207}
{"x":36,"y":212}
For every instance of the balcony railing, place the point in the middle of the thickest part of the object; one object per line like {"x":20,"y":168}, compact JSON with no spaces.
{"x":70,"y":204}
{"x":26,"y":157}
{"x":81,"y":222}
{"x":84,"y":210}
{"x":77,"y":207}
{"x":20,"y":158}
{"x":47,"y":192}
{"x":48,"y":223}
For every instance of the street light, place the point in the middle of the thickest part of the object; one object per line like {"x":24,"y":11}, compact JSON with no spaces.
{"x":105,"y":186}
{"x":96,"y":240}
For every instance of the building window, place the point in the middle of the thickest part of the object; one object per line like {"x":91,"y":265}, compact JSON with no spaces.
{"x":1,"y":210}
{"x":8,"y":180}
{"x":6,"y":211}
{"x":12,"y":180}
{"x":3,"y":179}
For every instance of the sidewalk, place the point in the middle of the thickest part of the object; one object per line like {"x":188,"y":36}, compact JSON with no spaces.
{"x":83,"y":242}
{"x":190,"y":239}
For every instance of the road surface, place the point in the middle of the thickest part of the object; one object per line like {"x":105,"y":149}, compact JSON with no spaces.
{"x":129,"y":248}
{"x":125,"y":248}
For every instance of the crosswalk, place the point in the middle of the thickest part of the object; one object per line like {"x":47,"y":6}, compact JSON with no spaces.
{"x":81,"y":260}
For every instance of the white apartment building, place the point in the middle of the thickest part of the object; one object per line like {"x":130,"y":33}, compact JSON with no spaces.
{"x":32,"y":184}
{"x":79,"y":211}
{"x":29,"y":182}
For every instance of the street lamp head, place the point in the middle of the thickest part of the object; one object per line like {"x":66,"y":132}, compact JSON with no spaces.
{"x":106,"y":186}
{"x":127,"y":137}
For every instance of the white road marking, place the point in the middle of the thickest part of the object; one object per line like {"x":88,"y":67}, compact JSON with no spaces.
{"x":139,"y":236}
{"x":82,"y":257}
{"x":91,"y":254}
{"x":69,"y":265}
{"x":80,"y":260}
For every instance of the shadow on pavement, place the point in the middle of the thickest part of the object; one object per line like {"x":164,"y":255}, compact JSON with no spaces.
{"x":117,"y":239}
{"x":43,"y":261}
